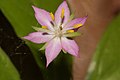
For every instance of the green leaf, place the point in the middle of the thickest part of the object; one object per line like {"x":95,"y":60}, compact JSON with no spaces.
{"x":7,"y":69}
{"x":21,"y":16}
{"x":73,"y":34}
{"x":106,"y":62}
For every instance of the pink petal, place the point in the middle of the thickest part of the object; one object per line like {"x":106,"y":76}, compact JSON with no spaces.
{"x":58,"y":13}
{"x":43,"y":17}
{"x":74,"y":22}
{"x":52,"y":50}
{"x":38,"y":37}
{"x":70,"y":46}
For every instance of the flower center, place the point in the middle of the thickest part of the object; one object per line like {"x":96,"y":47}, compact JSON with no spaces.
{"x":58,"y":32}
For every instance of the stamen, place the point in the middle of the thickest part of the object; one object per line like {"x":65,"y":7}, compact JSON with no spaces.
{"x":70,"y":31}
{"x":52,"y":23}
{"x":77,"y":25}
{"x":61,"y":28}
{"x":62,"y":12}
{"x":52,"y":16}
{"x":44,"y":27}
{"x":44,"y":33}
{"x":70,"y":38}
{"x":63,"y":19}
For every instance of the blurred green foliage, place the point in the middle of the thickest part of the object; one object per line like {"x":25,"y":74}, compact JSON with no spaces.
{"x":7,"y":69}
{"x":106,"y":62}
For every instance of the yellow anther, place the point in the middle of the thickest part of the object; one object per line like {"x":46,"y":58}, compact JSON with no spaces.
{"x":62,"y":12}
{"x":77,"y":25}
{"x":44,"y":27}
{"x":52,"y":16}
{"x":70,"y":31}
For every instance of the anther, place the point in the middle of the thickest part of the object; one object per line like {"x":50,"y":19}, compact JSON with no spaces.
{"x":44,"y":27}
{"x":70,"y":31}
{"x":62,"y":12}
{"x":52,"y":16}
{"x":77,"y":25}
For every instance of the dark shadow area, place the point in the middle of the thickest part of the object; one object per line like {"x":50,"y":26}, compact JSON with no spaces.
{"x":18,"y":52}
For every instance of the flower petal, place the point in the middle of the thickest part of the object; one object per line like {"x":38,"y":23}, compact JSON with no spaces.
{"x":70,"y":46}
{"x":74,"y":22}
{"x":52,"y":50}
{"x":43,"y":17}
{"x":38,"y":37}
{"x":58,"y":18}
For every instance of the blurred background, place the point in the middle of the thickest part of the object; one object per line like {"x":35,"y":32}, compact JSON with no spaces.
{"x":99,"y":43}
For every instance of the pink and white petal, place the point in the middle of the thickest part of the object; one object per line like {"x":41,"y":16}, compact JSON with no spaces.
{"x":53,"y":48}
{"x":58,"y":18}
{"x":74,"y":22}
{"x":38,"y":37}
{"x":70,"y":46}
{"x":43,"y":17}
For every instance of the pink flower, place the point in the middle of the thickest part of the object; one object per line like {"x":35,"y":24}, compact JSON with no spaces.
{"x":57,"y":31}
